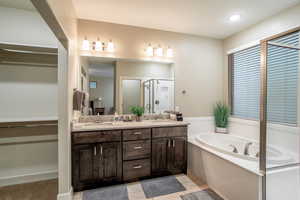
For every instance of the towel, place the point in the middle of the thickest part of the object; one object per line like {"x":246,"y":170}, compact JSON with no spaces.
{"x":77,"y":100}
{"x":86,"y":106}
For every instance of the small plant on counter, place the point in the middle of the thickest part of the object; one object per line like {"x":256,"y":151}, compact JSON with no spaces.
{"x":138,"y":111}
{"x":221,"y":114}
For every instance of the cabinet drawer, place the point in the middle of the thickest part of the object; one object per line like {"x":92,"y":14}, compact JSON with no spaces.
{"x":96,"y":136}
{"x":136,"y":169}
{"x":136,"y":149}
{"x":179,"y":131}
{"x":136,"y":134}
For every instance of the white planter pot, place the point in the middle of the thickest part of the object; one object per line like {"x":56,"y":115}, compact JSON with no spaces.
{"x":221,"y":130}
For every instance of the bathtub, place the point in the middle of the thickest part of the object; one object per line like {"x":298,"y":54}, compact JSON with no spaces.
{"x":225,"y":143}
{"x":235,"y":176}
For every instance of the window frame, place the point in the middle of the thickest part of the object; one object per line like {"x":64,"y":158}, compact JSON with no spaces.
{"x":230,"y":57}
{"x":90,"y":84}
{"x":230,"y":63}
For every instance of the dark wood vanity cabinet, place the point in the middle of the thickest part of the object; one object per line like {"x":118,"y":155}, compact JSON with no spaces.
{"x":177,"y":160}
{"x":95,"y":164}
{"x":109,"y":160}
{"x":169,"y":150}
{"x":108,"y":157}
{"x":83,"y":165}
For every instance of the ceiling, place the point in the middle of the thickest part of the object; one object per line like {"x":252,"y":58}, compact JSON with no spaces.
{"x":19,"y":4}
{"x":200,"y":17}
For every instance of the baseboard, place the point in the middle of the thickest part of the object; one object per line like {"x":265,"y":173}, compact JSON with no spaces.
{"x":195,"y":179}
{"x":218,"y":193}
{"x":28,"y":178}
{"x":66,"y":196}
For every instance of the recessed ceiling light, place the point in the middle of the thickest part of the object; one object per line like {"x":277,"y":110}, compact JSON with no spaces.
{"x":235,"y":18}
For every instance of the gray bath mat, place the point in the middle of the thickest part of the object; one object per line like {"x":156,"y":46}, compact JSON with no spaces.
{"x":161,"y":186}
{"x":118,"y":192}
{"x":202,"y":195}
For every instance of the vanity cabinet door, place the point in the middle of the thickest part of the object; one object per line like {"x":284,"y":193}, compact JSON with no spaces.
{"x":83,"y":165}
{"x":160,"y":155}
{"x":177,"y":155}
{"x":109,"y":162}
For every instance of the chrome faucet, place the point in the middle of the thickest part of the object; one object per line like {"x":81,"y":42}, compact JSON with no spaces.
{"x":246,"y":150}
{"x":234,"y":148}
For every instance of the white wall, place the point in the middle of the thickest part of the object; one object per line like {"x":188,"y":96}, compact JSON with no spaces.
{"x":27,"y":93}
{"x":24,"y":27}
{"x":28,"y":161}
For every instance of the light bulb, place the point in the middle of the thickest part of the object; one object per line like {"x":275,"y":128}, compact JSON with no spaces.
{"x":149,"y":50}
{"x":235,"y":18}
{"x":159,"y":51}
{"x":110,"y":46}
{"x":85,"y":44}
{"x":98,"y":45}
{"x":169,"y":52}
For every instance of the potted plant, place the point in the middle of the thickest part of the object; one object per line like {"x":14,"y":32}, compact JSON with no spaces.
{"x":138,"y":111}
{"x":221,"y":114}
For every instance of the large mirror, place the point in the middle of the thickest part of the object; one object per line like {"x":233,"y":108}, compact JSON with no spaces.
{"x":115,"y":85}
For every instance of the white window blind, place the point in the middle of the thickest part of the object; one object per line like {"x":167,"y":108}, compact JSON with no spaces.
{"x":282,"y":80}
{"x":246,"y":83}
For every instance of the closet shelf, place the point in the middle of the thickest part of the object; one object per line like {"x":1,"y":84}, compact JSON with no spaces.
{"x":28,"y":55}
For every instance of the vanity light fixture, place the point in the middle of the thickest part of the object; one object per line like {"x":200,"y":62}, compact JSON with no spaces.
{"x":159,"y":51}
{"x":110,"y":46}
{"x":149,"y":50}
{"x":169,"y":52}
{"x":85,"y":44}
{"x":98,"y":45}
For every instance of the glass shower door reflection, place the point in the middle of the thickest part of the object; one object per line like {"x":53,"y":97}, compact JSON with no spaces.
{"x":283,"y":119}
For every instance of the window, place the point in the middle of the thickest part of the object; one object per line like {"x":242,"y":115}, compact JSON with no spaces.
{"x":245,"y":83}
{"x":93,"y":84}
{"x":282,"y":81}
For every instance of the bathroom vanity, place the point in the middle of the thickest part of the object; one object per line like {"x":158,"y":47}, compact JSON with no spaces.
{"x":125,"y":152}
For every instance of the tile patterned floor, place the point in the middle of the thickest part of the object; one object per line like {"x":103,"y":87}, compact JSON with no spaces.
{"x":135,"y":190}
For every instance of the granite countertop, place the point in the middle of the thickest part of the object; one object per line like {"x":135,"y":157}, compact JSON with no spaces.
{"x":93,"y":126}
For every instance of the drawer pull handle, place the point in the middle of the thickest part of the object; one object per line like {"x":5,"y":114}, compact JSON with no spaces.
{"x":101,"y":150}
{"x":169,"y":143}
{"x":173,"y":143}
{"x":139,"y":147}
{"x":137,"y":133}
{"x":95,"y":150}
{"x":137,"y":167}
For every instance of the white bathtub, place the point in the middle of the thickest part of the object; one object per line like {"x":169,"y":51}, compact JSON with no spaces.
{"x":225,"y":143}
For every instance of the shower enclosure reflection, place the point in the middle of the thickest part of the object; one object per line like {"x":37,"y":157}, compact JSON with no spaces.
{"x":158,"y":95}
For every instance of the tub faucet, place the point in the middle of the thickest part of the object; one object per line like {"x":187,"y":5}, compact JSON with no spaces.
{"x":234,"y":148}
{"x":246,"y":151}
